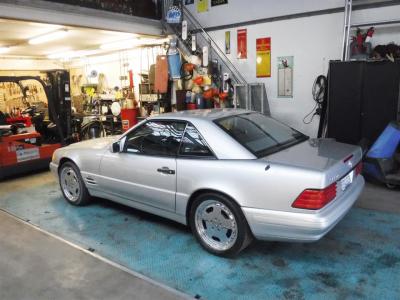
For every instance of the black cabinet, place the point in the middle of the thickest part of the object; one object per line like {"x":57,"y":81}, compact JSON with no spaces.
{"x":363,"y":97}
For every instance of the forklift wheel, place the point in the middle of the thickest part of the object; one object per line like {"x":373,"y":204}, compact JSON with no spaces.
{"x":72,"y":185}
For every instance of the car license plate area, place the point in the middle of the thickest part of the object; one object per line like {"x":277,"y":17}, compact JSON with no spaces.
{"x":346,"y":181}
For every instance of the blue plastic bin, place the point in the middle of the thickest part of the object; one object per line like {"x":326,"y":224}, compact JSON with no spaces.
{"x":387,"y":143}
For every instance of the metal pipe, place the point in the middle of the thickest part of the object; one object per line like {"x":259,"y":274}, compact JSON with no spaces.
{"x":346,"y":29}
{"x":377,"y":23}
{"x":350,"y":8}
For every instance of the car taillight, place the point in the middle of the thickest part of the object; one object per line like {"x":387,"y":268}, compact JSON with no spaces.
{"x":359,"y":168}
{"x":315,"y":199}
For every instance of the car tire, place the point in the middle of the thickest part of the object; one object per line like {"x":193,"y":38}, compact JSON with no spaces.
{"x":72,"y":186}
{"x":219,"y":225}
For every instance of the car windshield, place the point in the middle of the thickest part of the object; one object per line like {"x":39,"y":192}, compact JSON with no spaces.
{"x":260,"y":134}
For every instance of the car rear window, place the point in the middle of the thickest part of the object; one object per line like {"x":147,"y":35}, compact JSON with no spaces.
{"x":260,"y":134}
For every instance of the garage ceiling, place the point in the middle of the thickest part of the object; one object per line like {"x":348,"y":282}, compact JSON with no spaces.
{"x":15,"y":34}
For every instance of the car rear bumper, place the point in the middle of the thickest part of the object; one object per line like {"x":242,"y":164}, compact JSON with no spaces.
{"x":302,"y":227}
{"x":54,"y":169}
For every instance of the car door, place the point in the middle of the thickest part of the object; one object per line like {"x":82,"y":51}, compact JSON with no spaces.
{"x":145,"y":170}
{"x":195,"y":161}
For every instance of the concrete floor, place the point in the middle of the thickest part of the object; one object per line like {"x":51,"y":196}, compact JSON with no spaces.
{"x":360,"y":258}
{"x":380,"y":198}
{"x":34,"y":265}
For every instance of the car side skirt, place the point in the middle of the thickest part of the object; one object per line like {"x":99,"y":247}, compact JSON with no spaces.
{"x":143,"y":207}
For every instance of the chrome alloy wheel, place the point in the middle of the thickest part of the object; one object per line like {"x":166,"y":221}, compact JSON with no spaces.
{"x":216,"y":225}
{"x":70,"y":184}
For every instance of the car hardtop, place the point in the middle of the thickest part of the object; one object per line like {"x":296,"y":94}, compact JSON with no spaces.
{"x":202,"y":114}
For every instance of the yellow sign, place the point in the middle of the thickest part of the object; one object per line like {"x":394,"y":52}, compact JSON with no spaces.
{"x":263,"y":47}
{"x":202,"y":6}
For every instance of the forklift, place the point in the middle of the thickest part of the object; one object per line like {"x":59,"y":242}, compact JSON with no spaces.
{"x":24,"y":148}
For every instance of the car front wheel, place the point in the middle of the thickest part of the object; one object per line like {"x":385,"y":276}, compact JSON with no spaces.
{"x":219,"y":225}
{"x":72,"y":185}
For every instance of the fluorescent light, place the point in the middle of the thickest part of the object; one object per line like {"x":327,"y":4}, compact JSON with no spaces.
{"x":72,"y":54}
{"x":60,"y":50}
{"x":82,"y":53}
{"x":119,"y":45}
{"x":52,"y":36}
{"x":4,"y":49}
{"x":59,"y":55}
{"x":131,"y":43}
{"x":152,"y":41}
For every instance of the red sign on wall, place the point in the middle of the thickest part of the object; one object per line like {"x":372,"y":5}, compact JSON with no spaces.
{"x":263,"y":53}
{"x":242,"y":43}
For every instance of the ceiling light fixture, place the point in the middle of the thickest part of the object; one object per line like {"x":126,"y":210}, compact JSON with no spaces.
{"x":4,"y":50}
{"x":52,"y":36}
{"x":59,"y":55}
{"x":153,"y":41}
{"x":120,"y":45}
{"x":72,"y":54}
{"x":60,"y":50}
{"x":132,"y":43}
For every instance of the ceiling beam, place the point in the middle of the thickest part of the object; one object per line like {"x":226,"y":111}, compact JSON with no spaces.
{"x":70,"y":15}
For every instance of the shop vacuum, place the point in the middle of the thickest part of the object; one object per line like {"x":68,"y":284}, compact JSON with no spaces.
{"x":382,"y":162}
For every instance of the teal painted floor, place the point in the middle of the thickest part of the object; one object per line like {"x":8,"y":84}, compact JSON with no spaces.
{"x":359,"y":259}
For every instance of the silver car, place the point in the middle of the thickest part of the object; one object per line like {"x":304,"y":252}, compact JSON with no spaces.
{"x":231,"y":175}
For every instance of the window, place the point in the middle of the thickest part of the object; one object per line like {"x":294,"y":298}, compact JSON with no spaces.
{"x":160,"y":138}
{"x":193,"y":144}
{"x":261,"y":135}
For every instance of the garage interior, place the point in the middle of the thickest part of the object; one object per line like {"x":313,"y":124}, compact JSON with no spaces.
{"x":72,"y":71}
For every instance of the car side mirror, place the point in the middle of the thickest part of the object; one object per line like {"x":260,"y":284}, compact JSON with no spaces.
{"x":115,"y":147}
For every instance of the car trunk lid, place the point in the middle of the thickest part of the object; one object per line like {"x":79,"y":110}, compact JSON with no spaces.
{"x":334,"y":160}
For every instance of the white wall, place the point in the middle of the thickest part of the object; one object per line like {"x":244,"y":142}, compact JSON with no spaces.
{"x":313,"y":41}
{"x":311,"y":45}
{"x":242,"y":10}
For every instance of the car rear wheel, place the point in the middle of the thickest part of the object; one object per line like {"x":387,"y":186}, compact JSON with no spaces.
{"x":72,"y":185}
{"x":219,"y":225}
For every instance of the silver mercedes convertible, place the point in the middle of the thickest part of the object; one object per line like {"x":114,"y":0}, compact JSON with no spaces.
{"x":231,"y":175}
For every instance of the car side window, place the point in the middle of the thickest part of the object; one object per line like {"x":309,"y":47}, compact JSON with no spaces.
{"x":193,"y":144}
{"x":158,"y":138}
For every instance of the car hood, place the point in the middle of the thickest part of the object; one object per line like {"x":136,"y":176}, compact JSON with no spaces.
{"x":316,"y":154}
{"x":100,"y":143}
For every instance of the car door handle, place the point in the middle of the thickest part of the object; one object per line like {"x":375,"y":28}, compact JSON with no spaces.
{"x":166,"y":170}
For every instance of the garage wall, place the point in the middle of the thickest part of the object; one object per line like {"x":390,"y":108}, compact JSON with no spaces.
{"x":15,"y":100}
{"x":313,"y":41}
{"x":312,"y":47}
{"x":242,"y":11}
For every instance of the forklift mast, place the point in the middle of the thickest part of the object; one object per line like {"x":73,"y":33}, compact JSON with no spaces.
{"x":58,"y":93}
{"x":59,"y":102}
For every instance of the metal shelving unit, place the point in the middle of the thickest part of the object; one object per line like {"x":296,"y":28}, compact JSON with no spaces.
{"x":348,"y":25}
